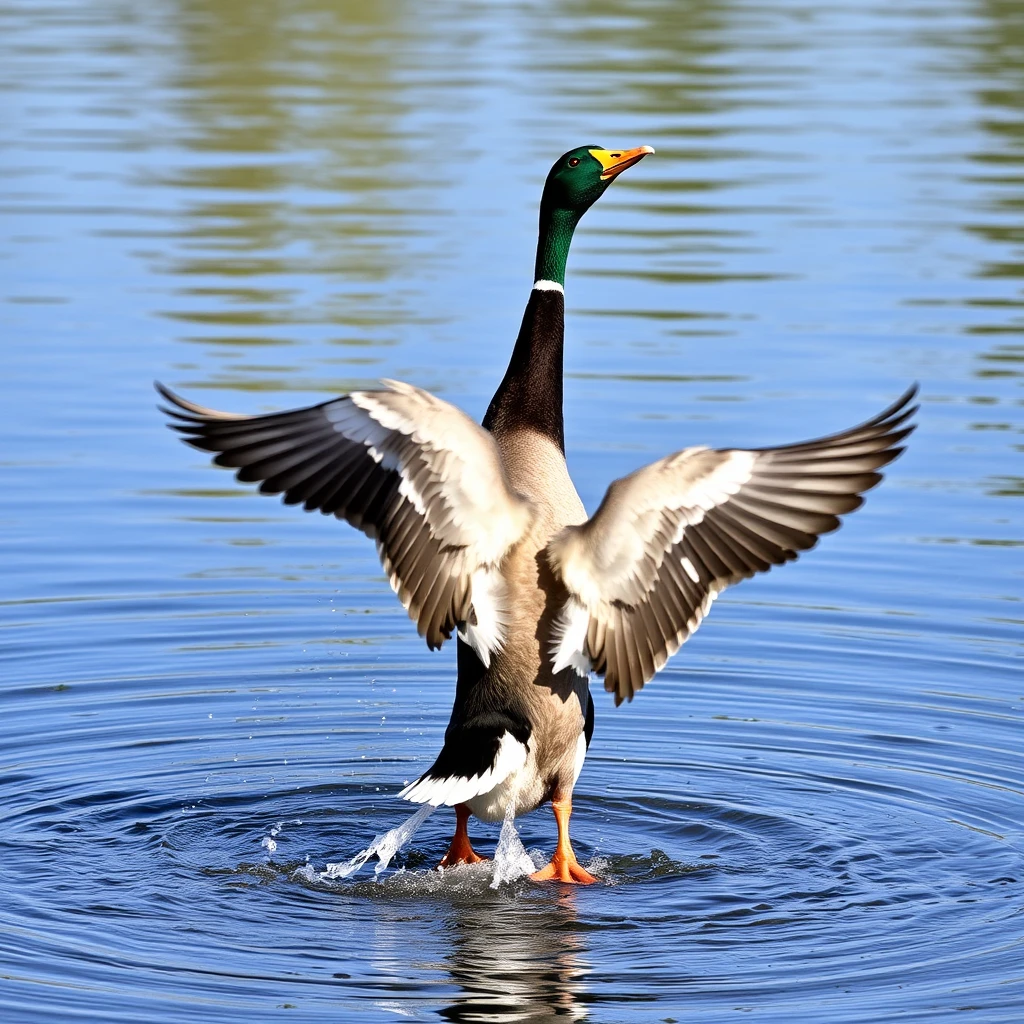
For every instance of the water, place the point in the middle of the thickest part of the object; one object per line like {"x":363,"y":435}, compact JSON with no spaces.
{"x":814,"y":813}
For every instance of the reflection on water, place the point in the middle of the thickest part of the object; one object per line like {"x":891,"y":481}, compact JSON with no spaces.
{"x":516,"y":961}
{"x":815,"y":812}
{"x":291,"y":234}
{"x":998,"y":170}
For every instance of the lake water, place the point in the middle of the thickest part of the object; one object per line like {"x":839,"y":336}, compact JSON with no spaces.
{"x":815,"y":812}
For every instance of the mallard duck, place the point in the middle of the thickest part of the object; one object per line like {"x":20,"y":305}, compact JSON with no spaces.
{"x":481,"y":533}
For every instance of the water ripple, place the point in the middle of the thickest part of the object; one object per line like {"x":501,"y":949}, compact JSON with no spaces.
{"x":814,"y":813}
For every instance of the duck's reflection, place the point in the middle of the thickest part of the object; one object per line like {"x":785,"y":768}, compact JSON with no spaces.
{"x":517,"y":959}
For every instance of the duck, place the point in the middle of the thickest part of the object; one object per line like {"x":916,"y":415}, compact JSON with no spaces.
{"x":482,"y":534}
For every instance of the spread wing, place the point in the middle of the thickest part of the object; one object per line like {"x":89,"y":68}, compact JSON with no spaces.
{"x":643,"y":571}
{"x":406,"y":468}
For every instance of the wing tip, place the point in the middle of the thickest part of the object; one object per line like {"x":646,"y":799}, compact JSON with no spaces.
{"x":176,"y":405}
{"x":191,"y":413}
{"x":899,"y":407}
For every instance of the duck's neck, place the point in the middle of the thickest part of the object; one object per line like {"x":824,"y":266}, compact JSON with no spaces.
{"x":556,"y":228}
{"x":530,"y":395}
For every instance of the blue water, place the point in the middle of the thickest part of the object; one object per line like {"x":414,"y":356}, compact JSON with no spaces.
{"x":815,"y":812}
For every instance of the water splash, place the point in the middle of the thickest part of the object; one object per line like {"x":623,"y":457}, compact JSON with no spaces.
{"x":269,"y":843}
{"x":511,"y":861}
{"x":385,"y":847}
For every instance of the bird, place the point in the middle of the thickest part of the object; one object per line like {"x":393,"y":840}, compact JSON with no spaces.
{"x":481,"y":533}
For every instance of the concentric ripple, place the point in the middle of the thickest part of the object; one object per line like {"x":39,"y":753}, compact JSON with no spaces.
{"x":795,"y":863}
{"x":814,"y":814}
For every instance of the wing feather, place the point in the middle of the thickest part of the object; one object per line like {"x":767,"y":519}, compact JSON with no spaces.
{"x":670,"y":537}
{"x":406,"y":468}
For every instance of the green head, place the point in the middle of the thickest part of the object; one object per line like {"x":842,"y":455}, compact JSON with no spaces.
{"x":577,"y":180}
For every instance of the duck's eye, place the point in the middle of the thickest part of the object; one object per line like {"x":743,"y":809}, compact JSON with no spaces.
{"x":573,"y":161}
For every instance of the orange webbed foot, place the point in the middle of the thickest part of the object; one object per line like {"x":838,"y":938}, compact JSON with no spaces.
{"x":465,"y":856}
{"x":564,"y":866}
{"x":564,"y":869}
{"x":460,"y":851}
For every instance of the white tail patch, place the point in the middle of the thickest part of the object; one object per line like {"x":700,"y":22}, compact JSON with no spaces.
{"x":490,"y":604}
{"x":458,"y":789}
{"x":569,"y":636}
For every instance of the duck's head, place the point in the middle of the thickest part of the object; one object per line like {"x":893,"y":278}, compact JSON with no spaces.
{"x":579,"y":177}
{"x":577,"y":180}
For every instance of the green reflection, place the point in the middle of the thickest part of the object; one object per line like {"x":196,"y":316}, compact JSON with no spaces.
{"x":996,"y":50}
{"x":291,"y":111}
{"x":999,"y":168}
{"x":662,"y":58}
{"x":1008,"y":486}
{"x":197,"y":492}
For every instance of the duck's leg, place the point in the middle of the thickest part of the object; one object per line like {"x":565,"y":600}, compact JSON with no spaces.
{"x":564,"y":866}
{"x":461,"y":849}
